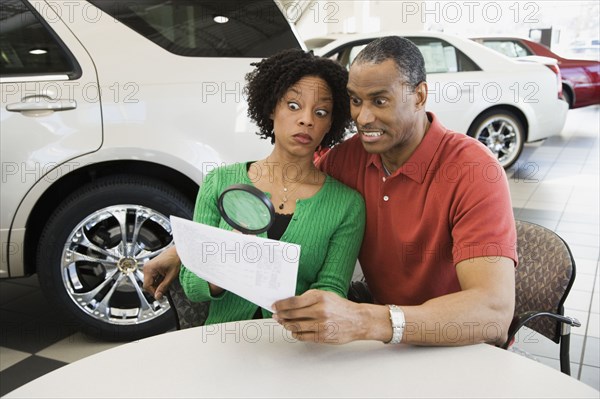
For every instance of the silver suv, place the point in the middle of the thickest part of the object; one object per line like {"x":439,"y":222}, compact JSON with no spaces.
{"x":111,"y":114}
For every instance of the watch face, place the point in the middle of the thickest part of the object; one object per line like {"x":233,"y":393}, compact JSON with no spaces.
{"x":397,"y":317}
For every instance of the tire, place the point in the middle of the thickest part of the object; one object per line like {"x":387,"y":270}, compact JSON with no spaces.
{"x":91,"y":274}
{"x":567,"y":96}
{"x":502,"y":132}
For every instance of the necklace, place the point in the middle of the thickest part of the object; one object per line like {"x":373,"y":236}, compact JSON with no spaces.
{"x":287,"y":191}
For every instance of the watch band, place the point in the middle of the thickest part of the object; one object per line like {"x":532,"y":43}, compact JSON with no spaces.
{"x":397,"y":318}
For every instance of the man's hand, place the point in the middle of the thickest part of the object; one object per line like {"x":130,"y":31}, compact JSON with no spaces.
{"x":324,"y":317}
{"x":160,"y":272}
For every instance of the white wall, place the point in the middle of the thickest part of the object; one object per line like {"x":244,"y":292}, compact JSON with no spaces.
{"x":323,"y":17}
{"x":570,"y":20}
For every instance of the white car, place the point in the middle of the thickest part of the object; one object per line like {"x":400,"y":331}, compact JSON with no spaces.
{"x":474,"y":90}
{"x":111,"y":113}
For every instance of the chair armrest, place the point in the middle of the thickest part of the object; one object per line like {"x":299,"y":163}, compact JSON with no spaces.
{"x":359,"y":292}
{"x":520,"y":320}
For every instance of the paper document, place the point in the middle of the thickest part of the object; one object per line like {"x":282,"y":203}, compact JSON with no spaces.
{"x":257,"y":269}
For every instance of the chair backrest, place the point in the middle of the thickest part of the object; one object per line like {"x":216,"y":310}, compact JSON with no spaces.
{"x":544,"y":276}
{"x":188,"y":314}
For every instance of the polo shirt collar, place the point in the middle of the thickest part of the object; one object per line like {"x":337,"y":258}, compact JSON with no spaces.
{"x":419,"y":163}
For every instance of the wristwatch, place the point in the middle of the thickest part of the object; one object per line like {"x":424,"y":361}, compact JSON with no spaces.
{"x":397,"y":318}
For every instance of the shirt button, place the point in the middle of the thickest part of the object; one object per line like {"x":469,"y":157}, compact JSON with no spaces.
{"x":385,"y":198}
{"x":383,"y":178}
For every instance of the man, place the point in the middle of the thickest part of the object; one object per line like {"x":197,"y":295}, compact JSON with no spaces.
{"x":439,"y":245}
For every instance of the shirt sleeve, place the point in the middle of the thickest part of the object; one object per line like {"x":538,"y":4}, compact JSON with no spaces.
{"x":326,"y":162}
{"x":206,"y":212}
{"x":344,"y":245}
{"x":482,"y":218}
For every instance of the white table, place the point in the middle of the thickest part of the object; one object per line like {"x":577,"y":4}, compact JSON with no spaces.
{"x":257,"y":358}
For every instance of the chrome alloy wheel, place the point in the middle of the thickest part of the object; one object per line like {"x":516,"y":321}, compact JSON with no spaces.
{"x":103,"y":258}
{"x":503,"y":136}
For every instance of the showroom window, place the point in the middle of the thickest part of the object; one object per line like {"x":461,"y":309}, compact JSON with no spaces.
{"x":28,"y":46}
{"x":253,"y":28}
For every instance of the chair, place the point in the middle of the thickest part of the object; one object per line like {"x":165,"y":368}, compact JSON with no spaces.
{"x":359,"y":291}
{"x":187,"y":313}
{"x":543,"y":280}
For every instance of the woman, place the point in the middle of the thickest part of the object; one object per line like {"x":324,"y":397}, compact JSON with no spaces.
{"x":300,"y":102}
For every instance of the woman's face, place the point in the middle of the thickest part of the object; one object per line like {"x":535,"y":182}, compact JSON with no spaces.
{"x":302,"y":116}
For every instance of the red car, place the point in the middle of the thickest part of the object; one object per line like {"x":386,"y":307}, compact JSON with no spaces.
{"x":580,"y":78}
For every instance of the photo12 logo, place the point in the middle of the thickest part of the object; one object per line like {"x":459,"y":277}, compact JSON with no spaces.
{"x":249,"y":332}
{"x":470,"y":11}
{"x":489,"y":92}
{"x":315,"y":11}
{"x":90,"y":92}
{"x":250,"y":252}
{"x":31,"y":172}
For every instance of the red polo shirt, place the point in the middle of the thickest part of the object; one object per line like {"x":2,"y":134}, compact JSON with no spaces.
{"x":449,"y":202}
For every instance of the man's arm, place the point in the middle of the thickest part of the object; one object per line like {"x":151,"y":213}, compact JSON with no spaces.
{"x":480,"y":312}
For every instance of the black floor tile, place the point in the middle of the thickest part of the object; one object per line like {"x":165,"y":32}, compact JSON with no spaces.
{"x":32,"y":333}
{"x":25,"y":371}
{"x":33,"y":303}
{"x":11,"y":292}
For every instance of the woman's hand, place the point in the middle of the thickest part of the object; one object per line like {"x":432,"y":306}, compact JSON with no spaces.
{"x":160,"y":272}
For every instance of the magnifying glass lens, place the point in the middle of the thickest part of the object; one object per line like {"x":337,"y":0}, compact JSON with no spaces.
{"x":246,"y":209}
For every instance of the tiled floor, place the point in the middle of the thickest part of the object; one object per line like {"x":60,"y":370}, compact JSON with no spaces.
{"x":555,"y":184}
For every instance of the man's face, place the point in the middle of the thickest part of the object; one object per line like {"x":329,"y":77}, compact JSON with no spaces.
{"x":387,"y":112}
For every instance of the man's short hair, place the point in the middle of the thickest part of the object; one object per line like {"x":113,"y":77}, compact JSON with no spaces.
{"x":403,"y":52}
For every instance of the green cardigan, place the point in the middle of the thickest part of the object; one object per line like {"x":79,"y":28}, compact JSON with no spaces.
{"x":329,"y":227}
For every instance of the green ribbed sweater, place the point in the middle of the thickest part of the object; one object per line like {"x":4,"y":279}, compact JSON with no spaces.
{"x":328,"y":226}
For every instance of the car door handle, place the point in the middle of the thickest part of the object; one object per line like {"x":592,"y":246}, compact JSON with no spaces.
{"x":41,"y":103}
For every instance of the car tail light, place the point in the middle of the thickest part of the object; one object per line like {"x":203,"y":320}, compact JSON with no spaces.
{"x":556,"y":70}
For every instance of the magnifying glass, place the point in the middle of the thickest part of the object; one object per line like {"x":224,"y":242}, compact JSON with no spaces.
{"x":246,"y":209}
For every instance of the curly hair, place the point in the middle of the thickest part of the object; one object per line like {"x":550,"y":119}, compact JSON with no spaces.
{"x":273,"y":76}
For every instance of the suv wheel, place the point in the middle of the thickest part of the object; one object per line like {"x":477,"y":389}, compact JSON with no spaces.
{"x":502,"y":132}
{"x":92,"y":251}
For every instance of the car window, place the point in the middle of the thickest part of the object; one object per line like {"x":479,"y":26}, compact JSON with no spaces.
{"x":508,"y":48}
{"x":252,"y":28}
{"x":521,"y":50}
{"x":28,"y":46}
{"x":354,"y":52}
{"x":502,"y":47}
{"x":439,"y":56}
